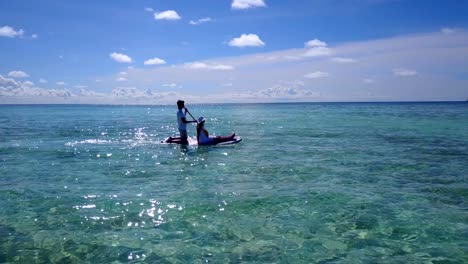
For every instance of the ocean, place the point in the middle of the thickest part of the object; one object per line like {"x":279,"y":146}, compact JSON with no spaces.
{"x":309,"y":183}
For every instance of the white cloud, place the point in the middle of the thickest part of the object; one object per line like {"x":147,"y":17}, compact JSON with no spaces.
{"x":245,"y":4}
{"x":80,"y":86}
{"x":9,"y":88}
{"x":28,"y":83}
{"x":316,"y":75}
{"x":149,"y":9}
{"x":167,"y":15}
{"x":447,"y":30}
{"x":121,"y":79}
{"x":282,"y":91}
{"x":315,"y":43}
{"x":204,"y":66}
{"x":8,"y":82}
{"x":34,"y":36}
{"x":247,"y":40}
{"x":404,"y":72}
{"x":132,"y":92}
{"x":12,"y":91}
{"x":60,"y":83}
{"x":89,"y":93}
{"x":155,"y":61}
{"x":9,"y":32}
{"x":257,"y":78}
{"x":343,"y":60}
{"x":119,"y":57}
{"x":316,"y":48}
{"x":123,"y":73}
{"x":200,"y":21}
{"x":42,"y":80}
{"x":59,"y":92}
{"x":18,"y":74}
{"x":317,"y":52}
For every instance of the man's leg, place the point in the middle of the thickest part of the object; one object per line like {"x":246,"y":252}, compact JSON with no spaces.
{"x":183,"y":137}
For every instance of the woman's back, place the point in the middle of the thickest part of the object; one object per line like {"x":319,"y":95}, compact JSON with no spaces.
{"x":203,"y":138}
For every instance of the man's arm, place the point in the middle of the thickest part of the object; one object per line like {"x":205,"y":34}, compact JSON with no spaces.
{"x":186,"y":122}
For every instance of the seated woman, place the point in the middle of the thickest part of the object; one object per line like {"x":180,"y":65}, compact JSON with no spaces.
{"x":203,"y":137}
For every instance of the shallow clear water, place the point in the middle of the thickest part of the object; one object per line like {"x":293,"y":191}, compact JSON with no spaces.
{"x":309,"y":183}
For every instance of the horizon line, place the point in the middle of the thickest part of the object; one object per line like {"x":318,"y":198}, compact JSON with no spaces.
{"x":239,"y":103}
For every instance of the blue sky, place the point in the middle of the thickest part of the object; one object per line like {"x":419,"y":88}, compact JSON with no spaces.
{"x":232,"y":51}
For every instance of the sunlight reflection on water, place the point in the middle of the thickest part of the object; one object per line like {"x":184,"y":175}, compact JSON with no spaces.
{"x":104,"y":189}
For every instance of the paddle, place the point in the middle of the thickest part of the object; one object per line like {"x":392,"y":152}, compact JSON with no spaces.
{"x":186,"y":110}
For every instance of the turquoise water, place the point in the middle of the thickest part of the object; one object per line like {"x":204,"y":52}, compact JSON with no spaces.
{"x":309,"y":183}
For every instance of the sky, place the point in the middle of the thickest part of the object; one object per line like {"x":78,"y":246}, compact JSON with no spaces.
{"x":232,"y":51}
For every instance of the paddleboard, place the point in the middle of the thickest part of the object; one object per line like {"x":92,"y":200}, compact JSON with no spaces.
{"x":172,"y":140}
{"x":235,"y":140}
{"x":175,"y":140}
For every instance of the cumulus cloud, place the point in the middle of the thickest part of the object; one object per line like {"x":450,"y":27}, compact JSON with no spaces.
{"x":58,"y":92}
{"x":317,"y":52}
{"x":11,"y":88}
{"x":35,"y":92}
{"x":9,"y":32}
{"x":316,"y":75}
{"x":343,"y":60}
{"x":8,"y":82}
{"x":316,"y":48}
{"x":315,"y":43}
{"x":28,"y":83}
{"x":121,"y":79}
{"x":247,"y":40}
{"x":149,"y":9}
{"x":18,"y":74}
{"x":155,"y":61}
{"x":167,"y":15}
{"x":12,"y":91}
{"x":200,"y":21}
{"x":205,"y":66}
{"x":257,"y":77}
{"x":121,"y":58}
{"x":246,"y":4}
{"x":128,"y":92}
{"x":89,"y":93}
{"x":60,"y":83}
{"x":42,"y":80}
{"x":404,"y":72}
{"x":34,"y":36}
{"x":282,"y":91}
{"x":80,"y":86}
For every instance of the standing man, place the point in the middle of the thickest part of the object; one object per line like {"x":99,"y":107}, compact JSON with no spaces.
{"x":182,"y":121}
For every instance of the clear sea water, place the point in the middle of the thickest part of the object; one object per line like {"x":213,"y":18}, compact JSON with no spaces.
{"x":309,"y":183}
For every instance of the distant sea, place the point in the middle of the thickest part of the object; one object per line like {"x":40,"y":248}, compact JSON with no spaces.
{"x":309,"y":183}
